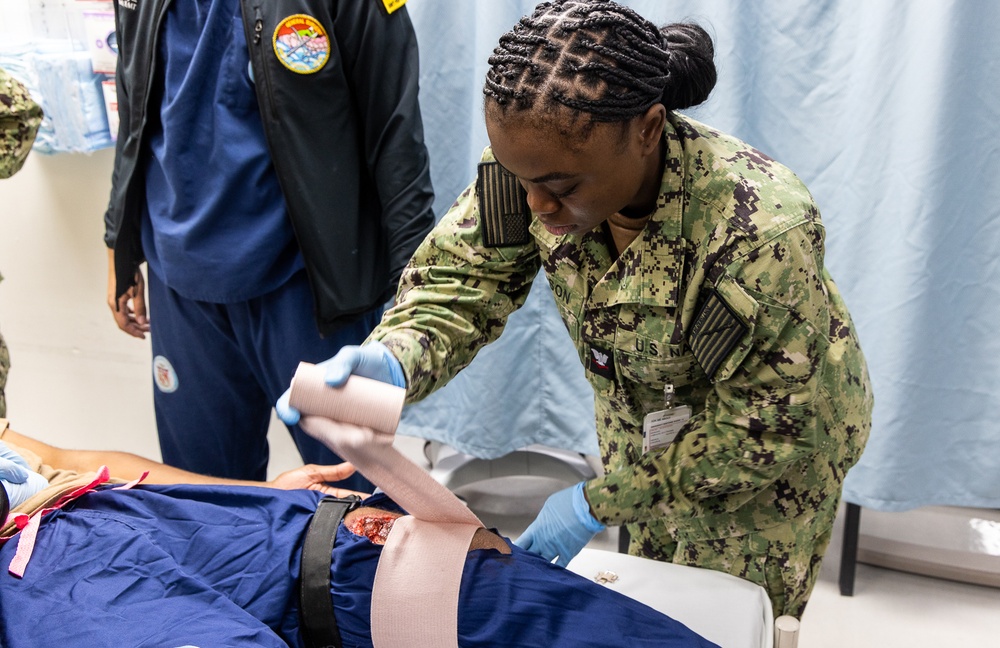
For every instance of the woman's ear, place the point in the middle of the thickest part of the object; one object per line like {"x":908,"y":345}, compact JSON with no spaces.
{"x":651,"y":127}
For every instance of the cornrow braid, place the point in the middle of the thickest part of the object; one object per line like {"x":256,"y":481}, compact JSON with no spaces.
{"x":597,"y":58}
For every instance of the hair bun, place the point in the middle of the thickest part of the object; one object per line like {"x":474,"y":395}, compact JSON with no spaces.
{"x":691,"y":65}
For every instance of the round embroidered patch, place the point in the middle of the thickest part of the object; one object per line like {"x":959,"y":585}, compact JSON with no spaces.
{"x":301,"y":44}
{"x":164,"y":375}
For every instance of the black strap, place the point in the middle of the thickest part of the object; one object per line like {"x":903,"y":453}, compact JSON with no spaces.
{"x":4,"y":503}
{"x":319,"y":627}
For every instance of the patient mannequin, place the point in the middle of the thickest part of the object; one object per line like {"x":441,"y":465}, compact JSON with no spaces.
{"x":214,"y":562}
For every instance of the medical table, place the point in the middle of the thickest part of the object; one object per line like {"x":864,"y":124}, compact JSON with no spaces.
{"x":730,"y":611}
{"x":727,"y":610}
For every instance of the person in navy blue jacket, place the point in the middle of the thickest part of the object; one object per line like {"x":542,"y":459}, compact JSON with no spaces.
{"x":271,"y":172}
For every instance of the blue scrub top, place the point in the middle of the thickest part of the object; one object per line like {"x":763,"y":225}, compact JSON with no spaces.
{"x":216,"y":228}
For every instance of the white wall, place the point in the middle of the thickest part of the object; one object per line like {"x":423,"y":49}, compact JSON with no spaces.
{"x":75,"y":380}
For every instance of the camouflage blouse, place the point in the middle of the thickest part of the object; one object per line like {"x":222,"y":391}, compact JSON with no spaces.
{"x":723,"y":295}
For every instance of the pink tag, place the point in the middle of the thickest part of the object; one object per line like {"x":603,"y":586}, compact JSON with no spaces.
{"x":29,"y":525}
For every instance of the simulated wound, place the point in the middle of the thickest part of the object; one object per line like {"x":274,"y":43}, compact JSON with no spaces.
{"x":374,"y":527}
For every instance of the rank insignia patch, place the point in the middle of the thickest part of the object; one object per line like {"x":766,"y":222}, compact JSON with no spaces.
{"x":601,"y":363}
{"x":301,"y":44}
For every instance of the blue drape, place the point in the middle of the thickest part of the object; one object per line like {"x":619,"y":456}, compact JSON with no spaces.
{"x":890,"y":112}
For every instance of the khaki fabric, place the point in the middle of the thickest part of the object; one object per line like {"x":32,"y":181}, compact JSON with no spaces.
{"x":61,"y":483}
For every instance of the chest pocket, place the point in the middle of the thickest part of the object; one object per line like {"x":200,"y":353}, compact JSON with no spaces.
{"x":235,"y":85}
{"x":648,"y":360}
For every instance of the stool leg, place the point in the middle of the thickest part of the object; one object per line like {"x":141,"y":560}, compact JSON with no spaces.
{"x":849,"y":552}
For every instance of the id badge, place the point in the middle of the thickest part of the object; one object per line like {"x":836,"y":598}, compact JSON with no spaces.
{"x":659,"y":429}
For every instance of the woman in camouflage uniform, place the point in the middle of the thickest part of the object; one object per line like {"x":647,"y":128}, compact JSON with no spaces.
{"x":679,"y":258}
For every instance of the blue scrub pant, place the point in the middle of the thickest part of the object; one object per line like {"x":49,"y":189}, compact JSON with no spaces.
{"x":219,"y":368}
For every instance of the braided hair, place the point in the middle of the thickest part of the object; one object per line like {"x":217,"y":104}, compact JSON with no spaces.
{"x":601,"y":60}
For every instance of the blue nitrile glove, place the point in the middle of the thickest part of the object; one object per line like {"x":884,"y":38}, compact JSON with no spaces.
{"x":17,"y":478}
{"x":372,"y":360}
{"x":563,"y":527}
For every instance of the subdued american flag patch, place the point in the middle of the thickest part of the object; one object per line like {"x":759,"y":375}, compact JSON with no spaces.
{"x":503,"y":206}
{"x":716,"y":330}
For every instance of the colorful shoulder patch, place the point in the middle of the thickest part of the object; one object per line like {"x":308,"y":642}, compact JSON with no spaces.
{"x":392,"y":5}
{"x":301,"y":44}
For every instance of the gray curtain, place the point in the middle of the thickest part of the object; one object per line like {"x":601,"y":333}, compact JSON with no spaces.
{"x":889,"y":112}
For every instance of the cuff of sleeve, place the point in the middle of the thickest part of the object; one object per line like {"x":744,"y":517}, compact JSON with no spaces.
{"x":582,"y":510}
{"x":408,"y":351}
{"x":396,"y":372}
{"x":390,"y":362}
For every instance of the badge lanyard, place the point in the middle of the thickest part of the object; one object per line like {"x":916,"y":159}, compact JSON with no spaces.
{"x":660,"y":428}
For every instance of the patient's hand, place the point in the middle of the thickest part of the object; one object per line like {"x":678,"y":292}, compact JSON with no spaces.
{"x":313,"y":477}
{"x":375,"y":524}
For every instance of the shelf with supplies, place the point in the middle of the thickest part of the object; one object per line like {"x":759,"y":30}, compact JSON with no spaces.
{"x":65,"y":51}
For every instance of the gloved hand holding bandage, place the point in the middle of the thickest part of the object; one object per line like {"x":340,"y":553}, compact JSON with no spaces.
{"x":358,"y":422}
{"x":373,"y":360}
{"x":17,"y":478}
{"x":563,"y":527}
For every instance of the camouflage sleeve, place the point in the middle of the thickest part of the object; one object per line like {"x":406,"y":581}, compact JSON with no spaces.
{"x":761,"y":415}
{"x":20,"y":118}
{"x":454,"y":297}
